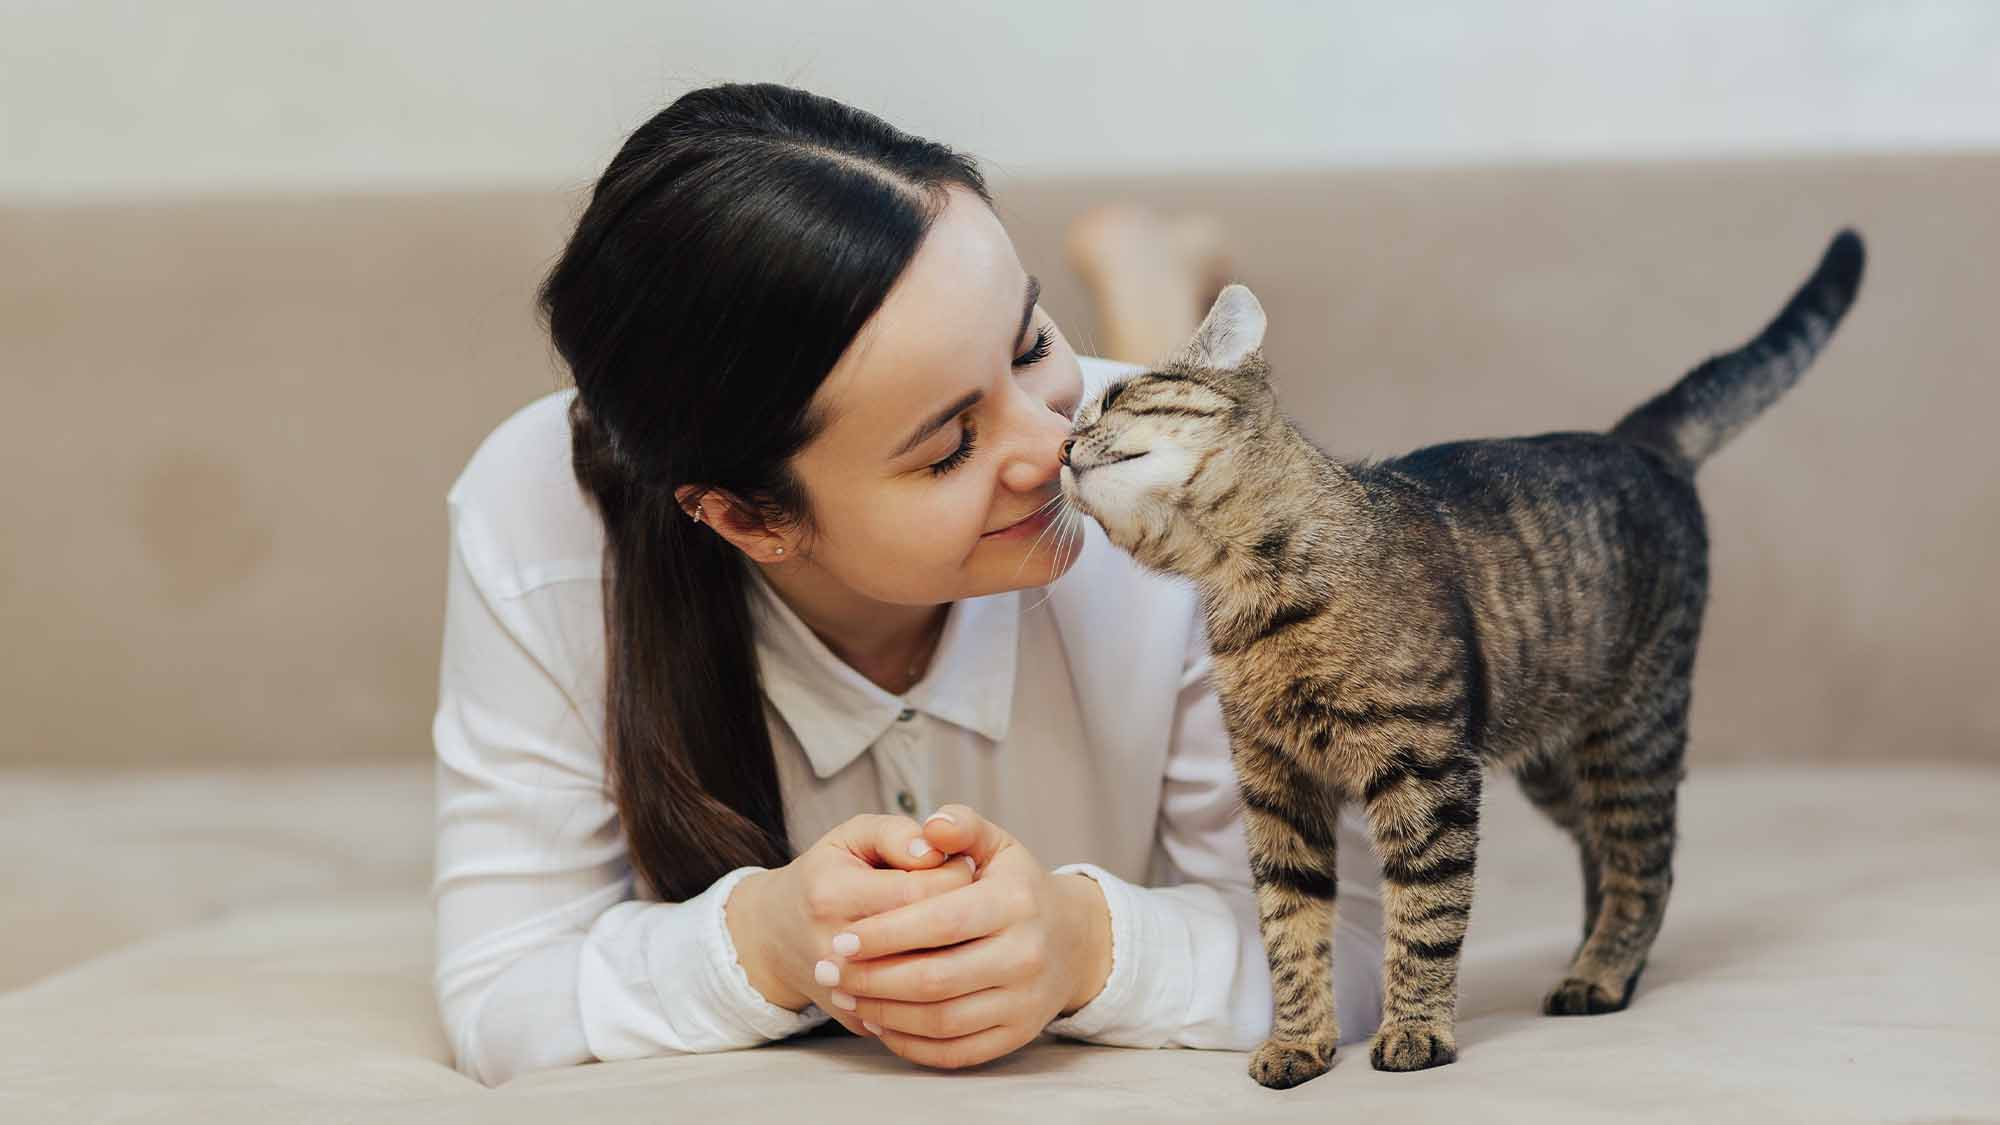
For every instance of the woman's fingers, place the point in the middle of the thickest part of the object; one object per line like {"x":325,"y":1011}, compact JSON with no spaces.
{"x":958,"y":830}
{"x":849,"y":1020}
{"x":847,"y":896}
{"x":931,"y":976}
{"x":947,"y":1019}
{"x":983,"y":908}
{"x":886,"y":841}
{"x":964,"y":1051}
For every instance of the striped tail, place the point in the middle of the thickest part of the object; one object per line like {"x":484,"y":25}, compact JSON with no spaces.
{"x":1711,"y":404}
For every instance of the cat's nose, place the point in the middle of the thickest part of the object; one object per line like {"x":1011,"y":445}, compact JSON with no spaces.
{"x":1064,"y":455}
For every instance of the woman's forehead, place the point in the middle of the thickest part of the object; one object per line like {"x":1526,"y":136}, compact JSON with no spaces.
{"x":953,"y":314}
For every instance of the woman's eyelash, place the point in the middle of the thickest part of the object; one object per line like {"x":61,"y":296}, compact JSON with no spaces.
{"x":1044,"y":340}
{"x":957,"y":456}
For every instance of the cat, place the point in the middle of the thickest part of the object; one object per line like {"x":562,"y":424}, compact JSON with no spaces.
{"x":1382,"y":631}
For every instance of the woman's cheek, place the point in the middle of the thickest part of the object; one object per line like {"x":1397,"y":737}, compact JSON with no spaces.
{"x":971,"y":510}
{"x":940,"y":524}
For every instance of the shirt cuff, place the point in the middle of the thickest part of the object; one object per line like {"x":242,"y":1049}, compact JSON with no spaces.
{"x":726,"y":984}
{"x":1145,"y":997}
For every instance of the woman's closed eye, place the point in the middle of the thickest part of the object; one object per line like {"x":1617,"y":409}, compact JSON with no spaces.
{"x":1044,"y":340}
{"x":957,"y":456}
{"x":1039,"y":350}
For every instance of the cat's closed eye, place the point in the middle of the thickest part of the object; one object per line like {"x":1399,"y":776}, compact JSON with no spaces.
{"x":1112,"y":392}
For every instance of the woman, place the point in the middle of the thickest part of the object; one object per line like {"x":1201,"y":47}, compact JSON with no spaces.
{"x":785,"y":567}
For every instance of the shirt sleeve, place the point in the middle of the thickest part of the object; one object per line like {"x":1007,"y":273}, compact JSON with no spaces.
{"x":1187,"y":960}
{"x":544,"y":956}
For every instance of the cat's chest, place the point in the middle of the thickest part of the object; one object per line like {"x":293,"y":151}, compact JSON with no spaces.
{"x":1308,"y":703}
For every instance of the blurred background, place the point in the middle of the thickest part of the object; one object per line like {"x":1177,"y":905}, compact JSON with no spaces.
{"x":134,"y":100}
{"x":266,"y":277}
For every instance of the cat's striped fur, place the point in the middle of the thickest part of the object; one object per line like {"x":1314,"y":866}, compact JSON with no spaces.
{"x":1382,"y":631}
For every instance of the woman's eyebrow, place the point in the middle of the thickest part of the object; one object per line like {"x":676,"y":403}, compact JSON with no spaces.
{"x":1028,"y":306}
{"x":966,"y":402}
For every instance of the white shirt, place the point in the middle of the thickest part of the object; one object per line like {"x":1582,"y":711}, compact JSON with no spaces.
{"x":1079,"y":717}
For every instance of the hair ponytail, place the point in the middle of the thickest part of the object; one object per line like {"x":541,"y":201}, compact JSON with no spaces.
{"x":676,"y":620}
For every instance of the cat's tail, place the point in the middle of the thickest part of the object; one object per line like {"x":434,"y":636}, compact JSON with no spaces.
{"x":1711,"y":404}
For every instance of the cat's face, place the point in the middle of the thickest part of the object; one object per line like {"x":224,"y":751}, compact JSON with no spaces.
{"x":1159,"y":459}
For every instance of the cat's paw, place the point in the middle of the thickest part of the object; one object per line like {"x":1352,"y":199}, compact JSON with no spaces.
{"x":1281,"y":1065}
{"x":1578,"y":997}
{"x":1413,"y":1045}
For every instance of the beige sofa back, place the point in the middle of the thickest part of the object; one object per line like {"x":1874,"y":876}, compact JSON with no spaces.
{"x":229,"y":425}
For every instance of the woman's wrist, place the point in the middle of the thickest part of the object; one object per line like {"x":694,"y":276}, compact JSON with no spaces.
{"x":742,"y":913}
{"x":1090,"y":922}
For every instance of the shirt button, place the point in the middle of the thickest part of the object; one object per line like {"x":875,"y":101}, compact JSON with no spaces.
{"x":906,"y":802}
{"x":907,"y":714}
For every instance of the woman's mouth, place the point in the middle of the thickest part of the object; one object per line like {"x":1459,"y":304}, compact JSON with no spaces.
{"x":1031,"y":524}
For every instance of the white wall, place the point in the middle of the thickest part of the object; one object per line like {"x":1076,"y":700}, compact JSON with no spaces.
{"x":124,"y":99}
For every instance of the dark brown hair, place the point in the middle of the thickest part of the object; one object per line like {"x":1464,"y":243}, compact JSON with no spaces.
{"x":728,"y":255}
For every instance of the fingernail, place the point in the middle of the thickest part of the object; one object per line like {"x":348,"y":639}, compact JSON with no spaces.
{"x":941,"y":815}
{"x":873,"y":1028}
{"x":920,"y":847}
{"x":843,"y":1001}
{"x":847,"y":945}
{"x":971,"y":864}
{"x":827,"y":973}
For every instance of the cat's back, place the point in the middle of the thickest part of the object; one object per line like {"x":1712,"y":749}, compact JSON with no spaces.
{"x":1555,"y":470}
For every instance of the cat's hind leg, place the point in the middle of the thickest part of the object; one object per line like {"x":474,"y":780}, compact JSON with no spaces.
{"x":1629,"y":768}
{"x":1550,"y":783}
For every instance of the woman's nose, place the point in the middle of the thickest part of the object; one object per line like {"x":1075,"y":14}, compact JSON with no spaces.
{"x":1030,"y":466}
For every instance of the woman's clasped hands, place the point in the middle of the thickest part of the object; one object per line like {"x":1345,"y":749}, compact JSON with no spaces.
{"x":947,"y":940}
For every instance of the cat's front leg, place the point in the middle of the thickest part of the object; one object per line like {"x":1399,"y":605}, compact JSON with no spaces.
{"x":1423,"y":812}
{"x":1289,"y":825}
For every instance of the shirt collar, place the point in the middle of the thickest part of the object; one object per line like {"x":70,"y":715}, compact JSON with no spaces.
{"x":836,"y":713}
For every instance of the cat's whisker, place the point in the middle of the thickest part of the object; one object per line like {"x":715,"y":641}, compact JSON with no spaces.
{"x":1047,"y":587}
{"x":1052,"y":524}
{"x":1069,"y":519}
{"x":1073,"y":541}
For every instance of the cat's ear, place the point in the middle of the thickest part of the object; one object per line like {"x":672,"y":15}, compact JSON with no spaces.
{"x":1233,"y":329}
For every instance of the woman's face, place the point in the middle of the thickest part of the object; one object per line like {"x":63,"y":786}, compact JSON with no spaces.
{"x":934,"y":476}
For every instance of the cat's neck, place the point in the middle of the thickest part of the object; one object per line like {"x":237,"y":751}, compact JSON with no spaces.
{"x":1310,"y":528}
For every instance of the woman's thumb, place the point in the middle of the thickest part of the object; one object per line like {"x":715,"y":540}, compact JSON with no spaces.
{"x":957,"y":830}
{"x":887,"y":841}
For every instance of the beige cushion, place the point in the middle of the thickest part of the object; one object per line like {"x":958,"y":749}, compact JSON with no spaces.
{"x":242,"y":415}
{"x":90,"y":861}
{"x":1828,"y":957}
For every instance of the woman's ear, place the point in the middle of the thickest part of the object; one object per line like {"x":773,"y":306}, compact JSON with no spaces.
{"x":689,"y":497}
{"x":742,"y":526}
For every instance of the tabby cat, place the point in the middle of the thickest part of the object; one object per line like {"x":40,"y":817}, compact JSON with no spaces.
{"x":1381,"y":631}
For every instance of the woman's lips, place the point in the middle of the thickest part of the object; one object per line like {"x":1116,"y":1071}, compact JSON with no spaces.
{"x":1029,"y":525}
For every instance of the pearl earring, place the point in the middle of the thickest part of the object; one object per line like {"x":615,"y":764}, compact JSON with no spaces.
{"x":781,"y":550}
